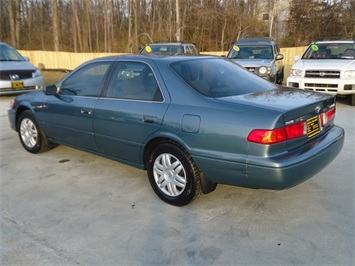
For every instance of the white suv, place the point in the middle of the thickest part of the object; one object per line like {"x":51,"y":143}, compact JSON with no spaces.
{"x":326,"y":66}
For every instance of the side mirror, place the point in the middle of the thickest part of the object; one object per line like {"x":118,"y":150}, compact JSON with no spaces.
{"x":296,"y":58}
{"x":27,"y":58}
{"x":51,"y":90}
{"x":279,"y":56}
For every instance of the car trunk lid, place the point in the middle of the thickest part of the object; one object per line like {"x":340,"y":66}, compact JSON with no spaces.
{"x":309,"y":109}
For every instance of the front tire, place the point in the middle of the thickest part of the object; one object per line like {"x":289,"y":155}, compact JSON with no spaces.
{"x":31,"y":137}
{"x":173,"y":175}
{"x":280,"y":78}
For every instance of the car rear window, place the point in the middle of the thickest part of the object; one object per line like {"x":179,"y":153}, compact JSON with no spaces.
{"x":219,"y":77}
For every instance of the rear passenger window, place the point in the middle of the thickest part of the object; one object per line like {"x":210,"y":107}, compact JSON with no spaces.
{"x":87,"y":81}
{"x":134,"y":81}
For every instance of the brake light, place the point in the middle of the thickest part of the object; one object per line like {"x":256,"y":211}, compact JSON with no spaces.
{"x":267,"y":136}
{"x":264,"y":136}
{"x":328,"y":116}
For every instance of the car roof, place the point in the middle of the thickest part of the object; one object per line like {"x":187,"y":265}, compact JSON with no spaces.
{"x":170,"y":43}
{"x":4,"y":43}
{"x":335,"y":41}
{"x":255,"y":41}
{"x":155,"y":57}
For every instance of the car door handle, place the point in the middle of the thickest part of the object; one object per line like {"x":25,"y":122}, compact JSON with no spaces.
{"x":85,"y":112}
{"x":149,"y":119}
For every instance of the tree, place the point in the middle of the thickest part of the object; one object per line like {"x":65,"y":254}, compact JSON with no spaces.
{"x":12,"y":22}
{"x":125,"y":25}
{"x":55,"y":25}
{"x":310,"y":20}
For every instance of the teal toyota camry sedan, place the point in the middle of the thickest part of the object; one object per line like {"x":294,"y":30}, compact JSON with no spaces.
{"x":190,"y":121}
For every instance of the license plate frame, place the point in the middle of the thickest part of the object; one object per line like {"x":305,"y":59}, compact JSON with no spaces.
{"x":313,"y":126}
{"x":17,"y":85}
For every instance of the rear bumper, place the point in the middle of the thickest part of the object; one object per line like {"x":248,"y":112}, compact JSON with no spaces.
{"x":296,"y":166}
{"x":279,"y":172}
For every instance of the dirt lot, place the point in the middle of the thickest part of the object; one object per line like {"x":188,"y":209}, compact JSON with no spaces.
{"x":69,"y":207}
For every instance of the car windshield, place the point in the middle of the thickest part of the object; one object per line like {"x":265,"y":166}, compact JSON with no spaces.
{"x":218,"y":77}
{"x":330,"y":51}
{"x":251,"y":51}
{"x":7,"y":53}
{"x":162,"y":49}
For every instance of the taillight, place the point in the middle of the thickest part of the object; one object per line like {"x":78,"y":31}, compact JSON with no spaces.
{"x":264,"y":136}
{"x":267,"y":136}
{"x":296,"y":130}
{"x":272,"y":136}
{"x":328,"y":116}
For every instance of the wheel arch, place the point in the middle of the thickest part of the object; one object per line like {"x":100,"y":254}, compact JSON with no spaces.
{"x":19,"y":111}
{"x":155,"y":142}
{"x":206,"y":185}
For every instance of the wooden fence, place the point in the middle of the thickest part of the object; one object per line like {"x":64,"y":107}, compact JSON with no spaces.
{"x":69,"y":61}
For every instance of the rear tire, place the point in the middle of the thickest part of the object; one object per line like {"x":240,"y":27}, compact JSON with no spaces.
{"x":173,"y":174}
{"x":31,"y":137}
{"x":352,"y":99}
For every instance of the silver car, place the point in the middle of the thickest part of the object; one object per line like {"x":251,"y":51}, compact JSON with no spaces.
{"x":260,"y":56}
{"x":17,"y":74}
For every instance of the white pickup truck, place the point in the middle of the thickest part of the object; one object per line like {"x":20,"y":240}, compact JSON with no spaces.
{"x":326,"y":66}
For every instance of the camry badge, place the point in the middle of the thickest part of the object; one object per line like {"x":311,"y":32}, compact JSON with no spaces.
{"x":317,"y":109}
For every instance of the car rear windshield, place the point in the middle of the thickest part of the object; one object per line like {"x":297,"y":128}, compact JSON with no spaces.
{"x":219,"y":77}
{"x":330,"y":51}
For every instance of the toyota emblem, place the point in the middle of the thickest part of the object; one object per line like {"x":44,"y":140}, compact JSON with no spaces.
{"x":14,"y":76}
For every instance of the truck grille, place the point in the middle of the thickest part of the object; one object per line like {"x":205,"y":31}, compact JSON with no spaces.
{"x":321,"y":87}
{"x":22,"y":74}
{"x":333,"y":74}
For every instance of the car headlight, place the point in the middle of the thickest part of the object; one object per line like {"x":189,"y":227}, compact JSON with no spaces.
{"x":36,"y":74}
{"x":264,"y":70}
{"x":349,"y":74}
{"x":295,"y":72}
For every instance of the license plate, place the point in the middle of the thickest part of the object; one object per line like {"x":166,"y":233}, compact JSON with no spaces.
{"x":312,"y":126}
{"x":17,"y":85}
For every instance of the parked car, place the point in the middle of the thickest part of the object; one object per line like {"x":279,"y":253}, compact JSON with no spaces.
{"x":260,"y":56}
{"x":326,"y":66}
{"x":17,"y":74}
{"x":170,"y":48}
{"x":190,"y":121}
